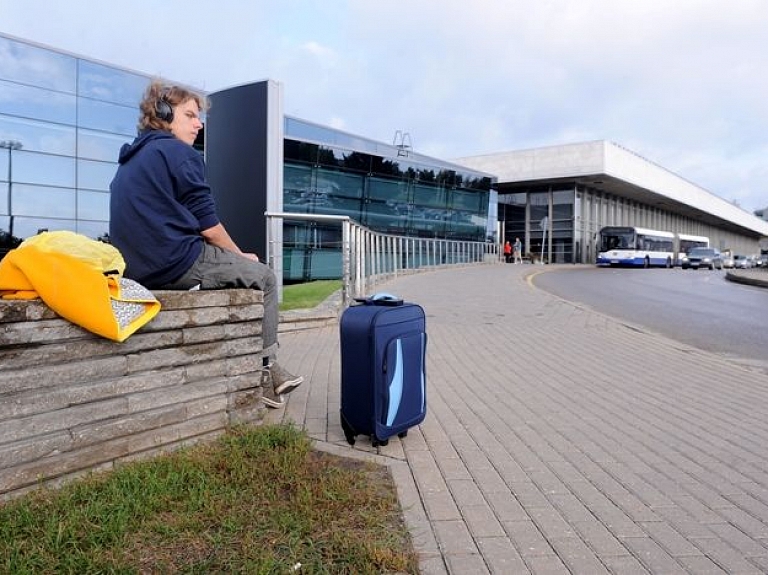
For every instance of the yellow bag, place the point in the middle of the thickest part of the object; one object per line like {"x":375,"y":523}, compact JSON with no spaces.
{"x":81,"y":280}
{"x":104,"y":257}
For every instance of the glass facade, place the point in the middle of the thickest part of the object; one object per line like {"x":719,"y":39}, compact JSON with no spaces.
{"x":525,"y":212}
{"x":385,"y":188}
{"x":66,"y":118}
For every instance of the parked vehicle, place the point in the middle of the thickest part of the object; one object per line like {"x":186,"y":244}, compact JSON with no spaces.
{"x":728,"y":262}
{"x":703,"y":258}
{"x":742,"y":262}
{"x":686,"y":242}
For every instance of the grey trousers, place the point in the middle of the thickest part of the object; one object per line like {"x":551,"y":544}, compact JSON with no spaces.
{"x":217,"y":268}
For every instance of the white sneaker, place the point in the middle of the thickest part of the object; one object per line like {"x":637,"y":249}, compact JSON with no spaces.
{"x":268,"y":395}
{"x":282,"y":380}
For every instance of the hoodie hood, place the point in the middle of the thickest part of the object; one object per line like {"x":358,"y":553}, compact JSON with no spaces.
{"x":129,"y":150}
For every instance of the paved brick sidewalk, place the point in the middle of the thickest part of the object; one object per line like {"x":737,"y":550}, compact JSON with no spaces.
{"x":559,"y":440}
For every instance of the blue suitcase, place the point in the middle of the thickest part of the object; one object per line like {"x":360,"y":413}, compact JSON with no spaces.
{"x":383,"y":371}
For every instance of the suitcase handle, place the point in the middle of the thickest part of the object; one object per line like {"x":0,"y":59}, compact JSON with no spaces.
{"x":381,"y":298}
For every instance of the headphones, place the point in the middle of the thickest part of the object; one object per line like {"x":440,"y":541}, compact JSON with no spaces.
{"x":163,"y":108}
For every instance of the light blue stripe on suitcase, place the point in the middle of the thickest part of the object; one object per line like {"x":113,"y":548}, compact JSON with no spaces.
{"x":423,"y":377}
{"x":396,"y":385}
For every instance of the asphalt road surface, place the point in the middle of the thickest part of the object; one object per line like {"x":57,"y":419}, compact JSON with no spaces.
{"x":697,"y":307}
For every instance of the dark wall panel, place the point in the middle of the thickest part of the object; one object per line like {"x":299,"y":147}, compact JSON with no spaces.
{"x":236,"y":157}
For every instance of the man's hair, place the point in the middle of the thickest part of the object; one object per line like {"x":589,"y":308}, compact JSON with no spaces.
{"x":158,"y":92}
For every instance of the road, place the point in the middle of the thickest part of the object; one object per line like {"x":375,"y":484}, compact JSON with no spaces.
{"x":697,"y":307}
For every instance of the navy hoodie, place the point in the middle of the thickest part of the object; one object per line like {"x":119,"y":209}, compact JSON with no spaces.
{"x":160,"y":202}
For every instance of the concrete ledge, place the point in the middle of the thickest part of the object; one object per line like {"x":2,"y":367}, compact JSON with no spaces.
{"x":72,"y":402}
{"x":758,"y":277}
{"x":326,"y":313}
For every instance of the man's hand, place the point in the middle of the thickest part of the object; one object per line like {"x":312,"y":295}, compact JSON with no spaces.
{"x":218,"y":236}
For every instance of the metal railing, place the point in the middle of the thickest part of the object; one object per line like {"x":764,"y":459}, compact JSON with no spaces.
{"x":369,"y":258}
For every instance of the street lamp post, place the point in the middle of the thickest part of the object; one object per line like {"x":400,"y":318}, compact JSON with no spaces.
{"x":10,"y":145}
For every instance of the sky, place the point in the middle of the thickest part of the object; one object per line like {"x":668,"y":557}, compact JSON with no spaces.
{"x":683,"y":83}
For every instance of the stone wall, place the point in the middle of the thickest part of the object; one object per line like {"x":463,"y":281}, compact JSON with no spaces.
{"x":72,"y":401}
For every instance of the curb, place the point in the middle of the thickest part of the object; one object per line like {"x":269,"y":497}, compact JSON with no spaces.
{"x":757,"y":279}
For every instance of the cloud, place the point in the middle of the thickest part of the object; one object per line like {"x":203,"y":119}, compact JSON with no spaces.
{"x":323,"y":54}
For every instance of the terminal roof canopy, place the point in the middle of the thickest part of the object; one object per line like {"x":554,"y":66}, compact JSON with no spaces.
{"x":609,"y":167}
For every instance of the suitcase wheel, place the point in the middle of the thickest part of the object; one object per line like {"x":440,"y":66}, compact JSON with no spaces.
{"x":348,"y":432}
{"x":402,"y":434}
{"x":379,"y":442}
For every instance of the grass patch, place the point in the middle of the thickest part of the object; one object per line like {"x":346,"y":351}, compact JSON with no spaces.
{"x":258,"y":500}
{"x":308,"y":295}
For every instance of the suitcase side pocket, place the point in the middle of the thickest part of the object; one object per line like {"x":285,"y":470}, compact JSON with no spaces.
{"x":405,"y":380}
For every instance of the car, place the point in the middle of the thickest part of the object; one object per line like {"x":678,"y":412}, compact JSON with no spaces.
{"x":742,"y":262}
{"x":728,"y":261}
{"x":702,"y":258}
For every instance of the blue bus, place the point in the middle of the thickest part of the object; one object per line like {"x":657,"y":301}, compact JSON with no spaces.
{"x":638,"y":247}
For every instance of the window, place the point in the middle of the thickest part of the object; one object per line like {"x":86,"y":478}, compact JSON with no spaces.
{"x":388,"y":190}
{"x":36,"y":136}
{"x":26,"y":64}
{"x":43,"y":201}
{"x":107,"y":117}
{"x":36,"y":103}
{"x":92,"y":205}
{"x":95,"y":145}
{"x":95,"y":175}
{"x":100,"y":82}
{"x":45,"y":169}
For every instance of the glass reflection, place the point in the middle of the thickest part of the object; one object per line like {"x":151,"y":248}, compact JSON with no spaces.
{"x":341,"y":207}
{"x":30,"y":102}
{"x":27,"y":64}
{"x":93,"y":229}
{"x":341,"y":184}
{"x":383,"y":216}
{"x":38,"y":136}
{"x":101,"y":82}
{"x":467,"y":200}
{"x":43,"y":201}
{"x":301,"y":130}
{"x":25,"y":227}
{"x":100,"y":145}
{"x":430,"y":196}
{"x":108,"y":117}
{"x":404,"y":196}
{"x":313,"y":143}
{"x":410,"y":202}
{"x":92,"y":205}
{"x":95,"y":175}
{"x":35,"y":168}
{"x":390,"y":190}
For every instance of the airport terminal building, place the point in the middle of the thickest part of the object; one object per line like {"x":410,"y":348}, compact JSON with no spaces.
{"x":582,"y":187}
{"x":64,"y":117}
